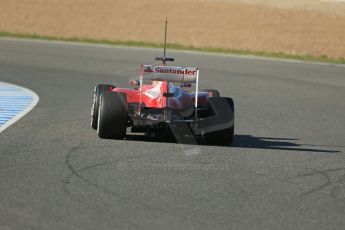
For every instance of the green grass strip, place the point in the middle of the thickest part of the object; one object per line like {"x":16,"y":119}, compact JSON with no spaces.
{"x":177,"y":46}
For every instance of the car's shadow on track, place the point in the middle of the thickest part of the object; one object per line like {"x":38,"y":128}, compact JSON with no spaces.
{"x":287,"y":144}
{"x":249,"y":141}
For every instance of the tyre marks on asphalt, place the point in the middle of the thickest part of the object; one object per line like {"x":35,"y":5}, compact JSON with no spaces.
{"x":334,"y":185}
{"x":15,"y":102}
{"x":133,"y":201}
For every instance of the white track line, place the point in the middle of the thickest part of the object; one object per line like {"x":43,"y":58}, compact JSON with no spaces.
{"x":15,"y":102}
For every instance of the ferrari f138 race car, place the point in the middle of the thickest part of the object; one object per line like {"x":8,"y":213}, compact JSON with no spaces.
{"x":163,"y":105}
{"x":160,"y":104}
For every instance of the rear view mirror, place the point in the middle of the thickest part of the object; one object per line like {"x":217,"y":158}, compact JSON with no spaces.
{"x":134,"y":82}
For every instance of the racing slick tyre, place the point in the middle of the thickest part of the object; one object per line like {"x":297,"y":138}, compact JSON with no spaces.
{"x":212,"y":92}
{"x":112,"y":116}
{"x":98,"y":90}
{"x":225,"y":136}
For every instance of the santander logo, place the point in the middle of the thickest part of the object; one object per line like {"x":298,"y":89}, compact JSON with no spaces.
{"x":148,"y":70}
{"x":170,"y":70}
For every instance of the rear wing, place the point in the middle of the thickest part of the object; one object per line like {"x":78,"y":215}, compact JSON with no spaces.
{"x":169,"y":74}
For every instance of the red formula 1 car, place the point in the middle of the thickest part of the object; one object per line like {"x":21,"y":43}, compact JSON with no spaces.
{"x":163,"y":105}
{"x":160,"y":105}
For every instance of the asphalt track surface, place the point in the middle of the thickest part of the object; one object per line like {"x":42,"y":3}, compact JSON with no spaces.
{"x":286,"y":169}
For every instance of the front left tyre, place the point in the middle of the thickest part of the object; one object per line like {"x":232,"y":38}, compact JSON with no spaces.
{"x":112,"y":116}
{"x":211,"y":92}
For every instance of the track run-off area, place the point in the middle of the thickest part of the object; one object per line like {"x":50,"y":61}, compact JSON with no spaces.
{"x":285,"y":170}
{"x":15,"y":102}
